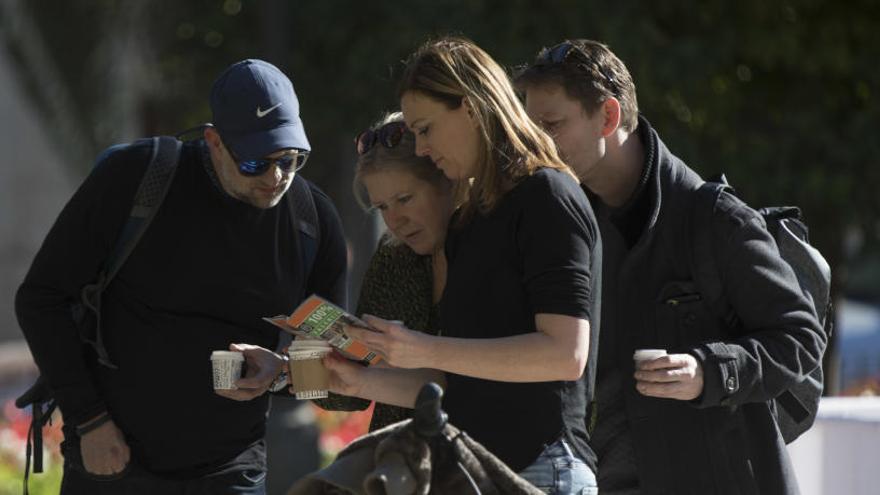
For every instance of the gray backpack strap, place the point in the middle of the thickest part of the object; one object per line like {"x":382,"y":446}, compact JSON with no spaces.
{"x":150,"y":195}
{"x":153,"y":188}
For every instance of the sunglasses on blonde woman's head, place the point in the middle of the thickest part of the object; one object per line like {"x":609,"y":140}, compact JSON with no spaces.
{"x":389,"y":135}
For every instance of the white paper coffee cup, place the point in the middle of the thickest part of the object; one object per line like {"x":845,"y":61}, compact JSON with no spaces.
{"x":648,"y":354}
{"x":227,"y":369}
{"x":309,"y":378}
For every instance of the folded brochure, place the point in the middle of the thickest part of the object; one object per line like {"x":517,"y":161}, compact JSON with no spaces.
{"x":318,"y":318}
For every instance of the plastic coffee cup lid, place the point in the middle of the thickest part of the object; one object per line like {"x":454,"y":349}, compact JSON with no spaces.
{"x":237,"y":356}
{"x":642,"y":354}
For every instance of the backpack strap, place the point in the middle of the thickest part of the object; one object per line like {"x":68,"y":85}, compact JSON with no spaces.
{"x":34,"y":446}
{"x":304,"y":216}
{"x":39,"y":397}
{"x":164,"y":158}
{"x":702,"y":253}
{"x":149,"y":197}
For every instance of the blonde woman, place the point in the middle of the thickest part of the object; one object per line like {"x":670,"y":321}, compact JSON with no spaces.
{"x":523,"y":256}
{"x":407,"y":272}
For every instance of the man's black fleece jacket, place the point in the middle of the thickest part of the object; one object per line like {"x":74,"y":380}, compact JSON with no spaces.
{"x":204,"y":273}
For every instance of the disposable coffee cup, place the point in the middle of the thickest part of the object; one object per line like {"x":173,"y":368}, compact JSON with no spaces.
{"x":648,"y":354}
{"x":227,"y":369}
{"x":308,"y":376}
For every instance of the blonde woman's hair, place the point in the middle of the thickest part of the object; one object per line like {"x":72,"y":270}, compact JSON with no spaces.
{"x":455,"y":71}
{"x":399,"y":158}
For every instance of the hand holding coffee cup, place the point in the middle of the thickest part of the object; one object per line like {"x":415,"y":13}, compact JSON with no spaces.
{"x":256,"y":374}
{"x":667,"y":376}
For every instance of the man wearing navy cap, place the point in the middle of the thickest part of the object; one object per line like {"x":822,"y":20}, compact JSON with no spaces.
{"x":256,"y":116}
{"x":221,"y":252}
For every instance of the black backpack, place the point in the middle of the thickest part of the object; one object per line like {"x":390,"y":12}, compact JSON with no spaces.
{"x":154,"y":186}
{"x":795,"y":409}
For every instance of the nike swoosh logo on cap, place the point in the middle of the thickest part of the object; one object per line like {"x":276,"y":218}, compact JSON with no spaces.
{"x":263,"y":113}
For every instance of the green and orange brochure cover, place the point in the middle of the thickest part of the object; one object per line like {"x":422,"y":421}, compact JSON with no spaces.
{"x":317,"y":318}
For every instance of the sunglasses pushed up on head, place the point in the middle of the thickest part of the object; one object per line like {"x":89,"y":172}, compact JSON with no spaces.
{"x":560,"y":54}
{"x":389,"y":135}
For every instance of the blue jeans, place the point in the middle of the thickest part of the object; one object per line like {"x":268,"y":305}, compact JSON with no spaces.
{"x":557,"y":471}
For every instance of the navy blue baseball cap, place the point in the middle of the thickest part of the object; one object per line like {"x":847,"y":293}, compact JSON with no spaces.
{"x":256,"y":110}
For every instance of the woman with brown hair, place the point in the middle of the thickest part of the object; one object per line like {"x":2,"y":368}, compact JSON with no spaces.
{"x":523,"y":256}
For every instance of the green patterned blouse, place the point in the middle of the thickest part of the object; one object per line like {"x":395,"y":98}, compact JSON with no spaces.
{"x":398,"y":285}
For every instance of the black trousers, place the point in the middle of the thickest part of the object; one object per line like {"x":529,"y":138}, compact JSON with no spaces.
{"x":232,"y":479}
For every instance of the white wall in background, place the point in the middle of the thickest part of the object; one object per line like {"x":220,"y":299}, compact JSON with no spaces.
{"x":840,"y":454}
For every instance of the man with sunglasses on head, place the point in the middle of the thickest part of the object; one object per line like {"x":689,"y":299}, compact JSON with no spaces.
{"x":223,"y":250}
{"x":695,"y":420}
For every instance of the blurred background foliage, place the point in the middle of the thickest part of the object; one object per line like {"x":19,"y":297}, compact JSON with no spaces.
{"x":781,"y":96}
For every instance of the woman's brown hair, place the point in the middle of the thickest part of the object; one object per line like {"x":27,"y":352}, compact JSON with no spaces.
{"x":455,"y":71}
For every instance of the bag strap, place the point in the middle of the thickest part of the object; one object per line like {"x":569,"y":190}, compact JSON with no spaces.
{"x":151,"y":193}
{"x":154,"y":186}
{"x":304,"y":216}
{"x":39,"y":397}
{"x":702,"y":253}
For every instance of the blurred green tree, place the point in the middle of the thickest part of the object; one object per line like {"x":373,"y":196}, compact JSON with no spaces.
{"x":781,"y":96}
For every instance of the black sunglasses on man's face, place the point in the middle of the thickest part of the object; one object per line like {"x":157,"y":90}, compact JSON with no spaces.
{"x":295,"y":160}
